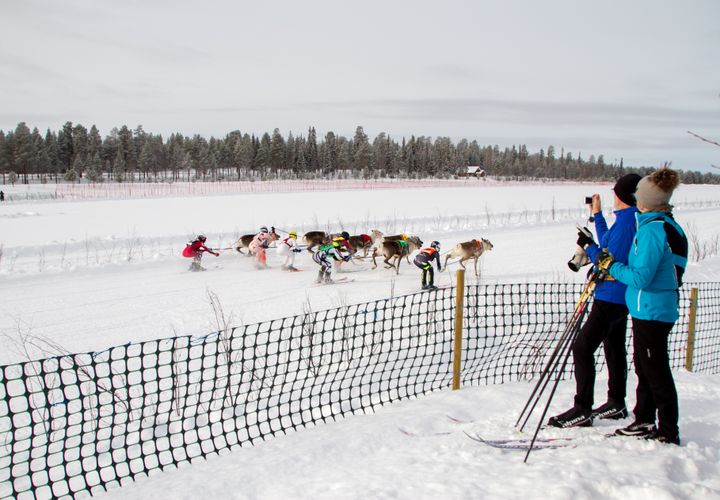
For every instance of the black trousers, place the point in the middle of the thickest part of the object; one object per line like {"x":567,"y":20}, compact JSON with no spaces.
{"x":656,"y":388}
{"x":606,"y":324}
{"x":427,"y":270}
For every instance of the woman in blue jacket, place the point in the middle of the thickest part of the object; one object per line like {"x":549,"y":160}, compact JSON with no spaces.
{"x":607,"y":322}
{"x":653,"y":276}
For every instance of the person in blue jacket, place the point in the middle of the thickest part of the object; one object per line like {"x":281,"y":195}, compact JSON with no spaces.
{"x":653,"y":275}
{"x":607,"y":321}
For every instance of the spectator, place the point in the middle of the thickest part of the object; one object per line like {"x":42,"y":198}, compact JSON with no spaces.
{"x":654,"y":274}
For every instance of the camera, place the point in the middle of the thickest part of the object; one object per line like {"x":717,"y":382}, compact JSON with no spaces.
{"x":588,"y":200}
{"x":579,"y":258}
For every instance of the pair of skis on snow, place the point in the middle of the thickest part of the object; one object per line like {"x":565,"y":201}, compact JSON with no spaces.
{"x":521,"y":444}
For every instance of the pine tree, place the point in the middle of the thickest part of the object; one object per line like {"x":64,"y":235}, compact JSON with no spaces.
{"x":311,"y":150}
{"x":361,"y":150}
{"x":119,"y":167}
{"x":94,"y":168}
{"x":65,"y":147}
{"x":262,"y":157}
{"x":277,"y":152}
{"x":146,"y":161}
{"x":23,"y":154}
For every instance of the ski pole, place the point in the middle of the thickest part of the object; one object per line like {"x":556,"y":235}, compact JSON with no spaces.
{"x":563,"y":349}
{"x":572,"y":323}
{"x":545,"y":377}
{"x":550,"y":397}
{"x":563,"y":338}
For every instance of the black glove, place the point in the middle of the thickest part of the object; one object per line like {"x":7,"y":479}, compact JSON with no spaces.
{"x":297,"y":250}
{"x":605,"y":262}
{"x":585,"y":238}
{"x":347,"y":258}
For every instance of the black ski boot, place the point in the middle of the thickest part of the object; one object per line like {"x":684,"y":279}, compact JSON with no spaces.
{"x":574,"y":417}
{"x":637,"y":429}
{"x":610,"y":410}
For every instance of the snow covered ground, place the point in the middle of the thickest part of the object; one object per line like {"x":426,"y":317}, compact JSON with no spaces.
{"x":371,"y":456}
{"x":93,"y":274}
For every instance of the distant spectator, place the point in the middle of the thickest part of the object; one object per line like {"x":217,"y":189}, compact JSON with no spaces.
{"x":2,"y":195}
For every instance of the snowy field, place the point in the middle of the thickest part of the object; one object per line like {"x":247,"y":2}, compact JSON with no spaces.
{"x":93,"y":274}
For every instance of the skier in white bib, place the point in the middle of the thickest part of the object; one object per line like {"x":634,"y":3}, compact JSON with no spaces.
{"x":287,"y":249}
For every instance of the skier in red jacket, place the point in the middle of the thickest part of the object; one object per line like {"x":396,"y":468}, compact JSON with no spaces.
{"x":195,"y":250}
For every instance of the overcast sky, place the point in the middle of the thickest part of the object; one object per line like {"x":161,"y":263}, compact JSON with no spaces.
{"x":620,"y":78}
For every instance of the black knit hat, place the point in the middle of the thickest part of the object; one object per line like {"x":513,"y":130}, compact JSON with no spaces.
{"x":625,"y":188}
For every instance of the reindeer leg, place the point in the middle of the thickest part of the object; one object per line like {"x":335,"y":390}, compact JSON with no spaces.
{"x":388,"y":265}
{"x":476,"y":268}
{"x":374,"y":254}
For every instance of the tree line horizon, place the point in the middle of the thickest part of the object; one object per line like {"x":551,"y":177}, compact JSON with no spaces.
{"x":75,"y":153}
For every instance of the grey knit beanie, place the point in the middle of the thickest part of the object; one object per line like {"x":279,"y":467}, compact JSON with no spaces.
{"x":654,"y":190}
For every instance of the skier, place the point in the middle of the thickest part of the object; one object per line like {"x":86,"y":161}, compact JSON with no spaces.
{"x":653,"y":275}
{"x":342,"y":243}
{"x":607,"y":322}
{"x":325,"y":257}
{"x":195,"y":250}
{"x":287,"y":250}
{"x":344,"y":240}
{"x":424,"y":260}
{"x":258,"y":245}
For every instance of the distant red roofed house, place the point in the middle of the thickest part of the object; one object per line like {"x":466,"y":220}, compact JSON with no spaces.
{"x":472,"y":171}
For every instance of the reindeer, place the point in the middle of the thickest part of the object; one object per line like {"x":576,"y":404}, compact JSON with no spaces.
{"x":245,"y":240}
{"x":380,"y":238}
{"x":467,"y":250}
{"x":364,"y":242}
{"x":397,"y":249}
{"x":316,"y":239}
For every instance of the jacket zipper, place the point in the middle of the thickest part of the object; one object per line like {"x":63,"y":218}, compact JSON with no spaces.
{"x":638,"y":302}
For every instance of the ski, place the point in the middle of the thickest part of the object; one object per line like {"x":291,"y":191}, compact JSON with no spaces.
{"x":336,"y":282}
{"x":456,"y":420}
{"x":418,"y":434}
{"x":522,"y":444}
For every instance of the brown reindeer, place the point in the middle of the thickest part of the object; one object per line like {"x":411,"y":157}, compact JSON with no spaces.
{"x":396,"y":237}
{"x":315,"y":239}
{"x":467,"y":250}
{"x":396,"y":249}
{"x":364,"y":242}
{"x":245,"y":240}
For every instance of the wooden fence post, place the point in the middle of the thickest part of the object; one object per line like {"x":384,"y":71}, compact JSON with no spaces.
{"x":691,"y":330}
{"x":459,"y":313}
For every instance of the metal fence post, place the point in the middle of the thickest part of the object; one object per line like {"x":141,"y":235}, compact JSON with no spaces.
{"x":691,"y":330}
{"x":457,"y":344}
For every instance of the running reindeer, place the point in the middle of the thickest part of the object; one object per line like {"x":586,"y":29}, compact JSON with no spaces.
{"x":396,"y":249}
{"x":314,"y":239}
{"x":245,"y":240}
{"x":364,"y":242}
{"x":467,"y":250}
{"x":357,"y":242}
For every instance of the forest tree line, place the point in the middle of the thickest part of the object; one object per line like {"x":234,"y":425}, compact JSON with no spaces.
{"x":75,"y":153}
